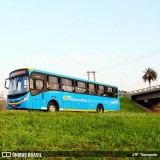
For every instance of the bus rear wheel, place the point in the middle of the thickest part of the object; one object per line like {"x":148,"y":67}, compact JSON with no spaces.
{"x":52,"y":107}
{"x":100,"y":108}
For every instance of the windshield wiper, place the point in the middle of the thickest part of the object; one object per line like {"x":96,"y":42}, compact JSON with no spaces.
{"x":19,"y":80}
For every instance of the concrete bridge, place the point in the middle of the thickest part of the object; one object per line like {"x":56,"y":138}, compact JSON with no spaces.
{"x":148,"y":97}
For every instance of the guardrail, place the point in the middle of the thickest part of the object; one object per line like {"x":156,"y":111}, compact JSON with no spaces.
{"x":157,"y":87}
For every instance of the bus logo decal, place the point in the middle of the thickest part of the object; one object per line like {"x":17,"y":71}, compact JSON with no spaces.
{"x":66,"y":98}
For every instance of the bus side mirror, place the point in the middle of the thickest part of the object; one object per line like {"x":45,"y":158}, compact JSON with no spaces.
{"x":6,"y":83}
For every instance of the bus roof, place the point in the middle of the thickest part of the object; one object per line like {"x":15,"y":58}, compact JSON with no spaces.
{"x":65,"y":76}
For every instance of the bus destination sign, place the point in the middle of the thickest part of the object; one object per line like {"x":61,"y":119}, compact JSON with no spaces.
{"x":13,"y":74}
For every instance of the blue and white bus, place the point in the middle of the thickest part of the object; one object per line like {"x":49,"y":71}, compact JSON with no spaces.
{"x":32,"y":89}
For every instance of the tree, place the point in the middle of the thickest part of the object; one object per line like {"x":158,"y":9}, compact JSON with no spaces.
{"x":149,"y":75}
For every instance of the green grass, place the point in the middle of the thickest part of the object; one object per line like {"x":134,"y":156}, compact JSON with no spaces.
{"x":73,"y":131}
{"x":128,"y":106}
{"x":79,"y":131}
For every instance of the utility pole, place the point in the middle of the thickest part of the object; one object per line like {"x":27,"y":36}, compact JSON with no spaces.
{"x":88,"y":74}
{"x":94,"y":75}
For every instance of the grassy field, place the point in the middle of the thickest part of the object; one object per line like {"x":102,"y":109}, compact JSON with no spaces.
{"x":130,"y":129}
{"x":128,"y":106}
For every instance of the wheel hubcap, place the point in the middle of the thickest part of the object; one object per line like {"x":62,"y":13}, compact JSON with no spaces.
{"x":100,"y":110}
{"x":52,"y":108}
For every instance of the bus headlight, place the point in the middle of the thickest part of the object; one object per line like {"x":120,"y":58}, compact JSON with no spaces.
{"x":25,"y":98}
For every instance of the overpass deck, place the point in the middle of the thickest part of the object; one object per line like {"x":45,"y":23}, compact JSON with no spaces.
{"x":144,"y":90}
{"x":149,"y":97}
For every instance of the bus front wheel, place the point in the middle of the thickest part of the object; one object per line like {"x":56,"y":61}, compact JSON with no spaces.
{"x":52,"y":107}
{"x":100,"y":108}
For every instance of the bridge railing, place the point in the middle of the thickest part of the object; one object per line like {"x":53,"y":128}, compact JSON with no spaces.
{"x":145,"y":89}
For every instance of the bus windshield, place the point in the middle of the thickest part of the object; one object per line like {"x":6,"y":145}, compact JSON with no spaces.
{"x":18,"y":85}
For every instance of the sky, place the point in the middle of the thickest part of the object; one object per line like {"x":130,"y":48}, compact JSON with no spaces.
{"x":116,"y":38}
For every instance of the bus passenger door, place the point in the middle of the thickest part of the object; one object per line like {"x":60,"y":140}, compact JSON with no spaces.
{"x":36,"y":88}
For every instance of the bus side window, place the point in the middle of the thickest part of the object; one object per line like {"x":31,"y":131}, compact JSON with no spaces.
{"x":115,"y":92}
{"x":39,"y":84}
{"x":67,"y":85}
{"x":53,"y":83}
{"x":36,"y":83}
{"x":110,"y":92}
{"x":91,"y":88}
{"x":80,"y":87}
{"x":101,"y":90}
{"x":105,"y":91}
{"x":31,"y":83}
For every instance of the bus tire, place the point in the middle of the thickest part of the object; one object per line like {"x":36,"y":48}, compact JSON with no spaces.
{"x":100,"y":108}
{"x":52,"y":107}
